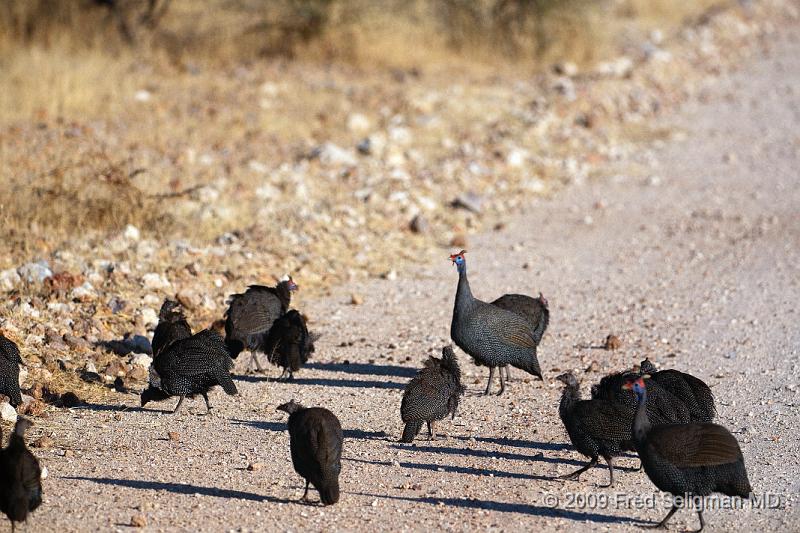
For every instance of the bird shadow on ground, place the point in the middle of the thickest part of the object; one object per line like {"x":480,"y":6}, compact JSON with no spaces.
{"x":365,"y":369}
{"x":371,"y":384}
{"x":119,"y":407}
{"x":281,"y":426}
{"x":523,"y":508}
{"x":486,"y":454}
{"x":518,"y":443}
{"x":181,"y":488}
{"x":451,"y":469}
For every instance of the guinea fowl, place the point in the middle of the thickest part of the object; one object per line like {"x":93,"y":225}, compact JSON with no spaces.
{"x":534,"y":310}
{"x":172,"y":326}
{"x":663,"y":408}
{"x":491,"y":335}
{"x":694,"y":459}
{"x":289,"y":344}
{"x":432,"y":394}
{"x":691,"y":390}
{"x":20,"y":477}
{"x":595,"y":427}
{"x":315,"y":439}
{"x":250,"y":316}
{"x":188,"y":367}
{"x":10,"y":360}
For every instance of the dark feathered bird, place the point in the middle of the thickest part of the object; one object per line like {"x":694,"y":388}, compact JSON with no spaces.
{"x":190,"y":366}
{"x":432,"y":394}
{"x":316,"y":438}
{"x":492,"y":336}
{"x":172,"y":326}
{"x":20,"y":477}
{"x":535,"y":310}
{"x":289,"y":344}
{"x":691,"y":390}
{"x":694,"y":459}
{"x":250,"y":316}
{"x":663,"y":407}
{"x":10,"y":360}
{"x":595,"y":427}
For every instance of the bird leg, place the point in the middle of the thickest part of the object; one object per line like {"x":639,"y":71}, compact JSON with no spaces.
{"x":208,"y":404}
{"x":305,"y":494}
{"x":610,"y":473}
{"x":431,"y":433}
{"x":255,"y":359}
{"x":489,"y":385}
{"x":576,"y":475}
{"x":702,"y":523}
{"x":502,"y":383}
{"x":283,"y":374}
{"x":508,"y":373}
{"x":179,"y":405}
{"x":663,"y":523}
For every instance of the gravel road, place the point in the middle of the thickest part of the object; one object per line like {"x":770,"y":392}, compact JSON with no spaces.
{"x":688,"y":253}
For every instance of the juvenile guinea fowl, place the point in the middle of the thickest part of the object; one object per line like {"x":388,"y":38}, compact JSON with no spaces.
{"x":694,"y":459}
{"x":535,"y":310}
{"x":172,"y":326}
{"x":595,"y":427}
{"x":432,"y":394}
{"x":492,"y":336}
{"x":188,"y":367}
{"x":20,"y":477}
{"x":10,"y":360}
{"x":691,"y":390}
{"x":289,"y":344}
{"x":315,"y":439}
{"x":663,"y":407}
{"x":250,"y":316}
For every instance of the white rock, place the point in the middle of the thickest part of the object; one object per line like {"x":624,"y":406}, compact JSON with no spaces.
{"x":9,"y":279}
{"x":149,"y":316}
{"x":152,"y":280}
{"x":35,"y":272}
{"x":331,"y":154}
{"x":84,"y":291}
{"x":358,"y":123}
{"x":141,"y":359}
{"x":131,"y":233}
{"x":143,"y":96}
{"x":44,"y":472}
{"x":267,"y":191}
{"x":257,"y":166}
{"x":516,"y":158}
{"x":8,"y":413}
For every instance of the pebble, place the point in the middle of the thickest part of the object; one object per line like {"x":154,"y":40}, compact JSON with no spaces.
{"x":152,"y":280}
{"x":470,"y":201}
{"x":142,"y":360}
{"x":43,"y":442}
{"x":35,"y":272}
{"x":138,"y":520}
{"x":8,"y":413}
{"x":9,"y":279}
{"x":255,"y":467}
{"x":612,"y":342}
{"x":419,"y":224}
{"x":173,"y":436}
{"x":356,"y":299}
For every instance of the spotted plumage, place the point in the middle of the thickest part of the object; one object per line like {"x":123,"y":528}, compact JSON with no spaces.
{"x":20,"y":477}
{"x":172,"y":326}
{"x":289,"y":343}
{"x":691,"y":390}
{"x":10,"y":359}
{"x":190,"y":366}
{"x":432,"y":394}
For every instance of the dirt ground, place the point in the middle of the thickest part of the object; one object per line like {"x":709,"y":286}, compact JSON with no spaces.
{"x":689,"y":255}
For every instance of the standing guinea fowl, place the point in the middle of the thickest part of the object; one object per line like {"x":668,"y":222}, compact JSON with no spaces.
{"x":172,"y":326}
{"x":433,"y":394}
{"x":251,"y":314}
{"x":190,"y":366}
{"x":315,"y":439}
{"x":663,"y":407}
{"x":20,"y":477}
{"x":10,"y":360}
{"x":535,"y":310}
{"x":691,"y":390}
{"x":289,"y":344}
{"x":694,"y":459}
{"x":595,"y":427}
{"x":491,"y":335}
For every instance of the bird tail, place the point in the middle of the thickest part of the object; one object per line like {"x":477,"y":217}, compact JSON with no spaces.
{"x":227,"y":383}
{"x":329,"y":491}
{"x":530,"y":365}
{"x":412,"y":428}
{"x":544,"y":320}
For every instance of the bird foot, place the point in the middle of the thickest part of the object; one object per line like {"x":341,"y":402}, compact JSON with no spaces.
{"x":570,"y":477}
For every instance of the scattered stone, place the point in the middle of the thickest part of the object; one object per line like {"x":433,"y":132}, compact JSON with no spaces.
{"x":356,"y":299}
{"x":358,"y":123}
{"x":189,"y":299}
{"x":331,"y":154}
{"x":8,"y":413}
{"x":9,"y":279}
{"x":612,"y":343}
{"x":459,"y":240}
{"x":255,"y":467}
{"x":469,"y":201}
{"x":173,"y":436}
{"x":390,"y":275}
{"x":35,"y":272}
{"x":62,"y":282}
{"x":43,"y":442}
{"x":567,"y":68}
{"x":148,"y":316}
{"x":116,"y":369}
{"x":31,"y":406}
{"x":83,"y":292}
{"x":77,"y":343}
{"x":153,"y":280}
{"x":364,"y":146}
{"x":141,"y":359}
{"x":593,"y":367}
{"x":138,"y":373}
{"x":419,"y":224}
{"x":138,"y":520}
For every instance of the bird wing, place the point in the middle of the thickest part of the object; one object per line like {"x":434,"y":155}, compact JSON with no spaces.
{"x":603,"y":418}
{"x":199,"y":354}
{"x":253,"y":312}
{"x":694,"y":445}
